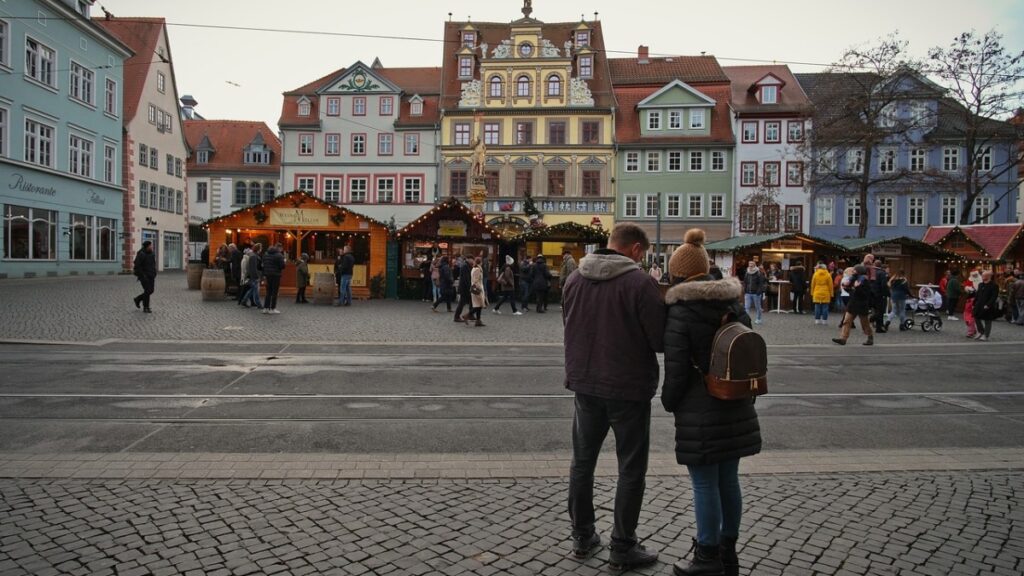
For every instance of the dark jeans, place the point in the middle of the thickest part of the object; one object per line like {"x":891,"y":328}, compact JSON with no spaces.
{"x":798,"y":302}
{"x":464,"y":302}
{"x":985,"y":326}
{"x":506,"y":296}
{"x":717,"y":501}
{"x":251,"y":293}
{"x":952,"y":302}
{"x":428,"y":288}
{"x":524,"y":289}
{"x":445,"y":296}
{"x":273,"y":285}
{"x":631,"y":423}
{"x":148,"y":287}
{"x":542,"y":300}
{"x":300,"y":296}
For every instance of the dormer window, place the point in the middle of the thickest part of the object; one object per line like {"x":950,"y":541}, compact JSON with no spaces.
{"x":465,"y":67}
{"x":769,"y":94}
{"x":303,"y":107}
{"x":496,"y":86}
{"x":203,"y":157}
{"x":257,"y":155}
{"x":416,"y":108}
{"x":469,"y":39}
{"x":582,"y":38}
{"x":586,"y":66}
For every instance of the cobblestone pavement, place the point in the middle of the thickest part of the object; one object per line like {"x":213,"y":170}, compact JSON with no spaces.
{"x":844,"y":524}
{"x":92,"y":308}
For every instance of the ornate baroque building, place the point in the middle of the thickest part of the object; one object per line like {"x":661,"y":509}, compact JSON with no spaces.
{"x":539,"y":96}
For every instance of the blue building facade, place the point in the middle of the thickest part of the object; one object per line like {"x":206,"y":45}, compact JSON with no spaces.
{"x":61,"y":86}
{"x":927,"y":163}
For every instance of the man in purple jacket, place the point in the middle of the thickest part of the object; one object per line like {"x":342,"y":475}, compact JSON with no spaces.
{"x":614,"y":319}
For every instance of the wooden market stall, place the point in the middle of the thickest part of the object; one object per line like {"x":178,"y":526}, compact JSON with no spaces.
{"x":994,"y":246}
{"x":448,"y":229}
{"x":304,"y":223}
{"x":552,"y":241}
{"x":923,"y":263}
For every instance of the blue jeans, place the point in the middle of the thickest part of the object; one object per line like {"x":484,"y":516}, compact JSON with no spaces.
{"x":345,"y":289}
{"x":821,"y":311}
{"x":252,"y":293}
{"x":899,"y":309}
{"x":717,"y":501}
{"x":524,"y":288}
{"x":753,"y":300}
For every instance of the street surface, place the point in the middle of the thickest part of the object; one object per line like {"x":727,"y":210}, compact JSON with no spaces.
{"x":382,"y":438}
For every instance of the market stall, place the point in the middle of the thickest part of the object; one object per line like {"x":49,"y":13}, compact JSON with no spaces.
{"x":923,"y":263}
{"x":552,"y":241}
{"x":305,"y":224}
{"x":995,"y":246}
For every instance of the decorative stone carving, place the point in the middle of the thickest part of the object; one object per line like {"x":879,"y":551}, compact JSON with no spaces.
{"x":547,"y":49}
{"x":503,"y":50}
{"x":472,"y":93}
{"x":579,"y":93}
{"x":483,"y":49}
{"x":568,"y":48}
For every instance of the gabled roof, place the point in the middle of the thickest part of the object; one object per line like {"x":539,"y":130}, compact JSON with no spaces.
{"x":741,"y":242}
{"x":676,"y":84}
{"x":353,"y":69}
{"x":229,"y":138}
{"x":662,"y":70}
{"x":142,"y":36}
{"x":627,"y":118}
{"x":425,"y":226}
{"x":995,"y":240}
{"x":564,"y":232}
{"x":297,"y":197}
{"x":745,"y":79}
{"x":863,"y":244}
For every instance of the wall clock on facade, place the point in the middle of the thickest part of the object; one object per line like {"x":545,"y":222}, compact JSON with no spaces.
{"x":525,"y":49}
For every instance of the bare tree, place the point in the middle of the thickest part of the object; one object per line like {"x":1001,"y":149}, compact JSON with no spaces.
{"x":763,"y":212}
{"x":862,"y":115}
{"x":984,"y":82}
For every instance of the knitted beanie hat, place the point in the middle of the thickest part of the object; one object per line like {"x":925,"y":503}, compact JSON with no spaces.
{"x":690,"y":259}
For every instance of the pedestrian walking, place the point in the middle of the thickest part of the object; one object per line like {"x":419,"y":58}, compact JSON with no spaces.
{"x":711,"y":435}
{"x":235,"y":256}
{"x":477,"y":292}
{"x":435,"y":278}
{"x":656,"y":272}
{"x":970,"y":287}
{"x":899,"y":290}
{"x":252,"y":276}
{"x":507,"y":287}
{"x":302,"y":279}
{"x":343,"y":267}
{"x":541,"y":284}
{"x":954,"y":290}
{"x":1017,"y":296}
{"x":754,"y":287}
{"x":204,"y":256}
{"x":614,"y":321}
{"x":821,"y":293}
{"x":445,"y":285}
{"x":986,"y":305}
{"x":880,"y":296}
{"x":859,"y":307}
{"x":465,"y":284}
{"x":426,"y":284}
{"x":274,"y":264}
{"x":525,"y":280}
{"x":797,"y":285}
{"x":144,"y":269}
{"x":222,"y":261}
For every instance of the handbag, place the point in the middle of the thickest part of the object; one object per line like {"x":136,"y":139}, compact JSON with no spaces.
{"x":475,"y":289}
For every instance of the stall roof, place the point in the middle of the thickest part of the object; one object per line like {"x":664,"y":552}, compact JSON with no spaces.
{"x":859,"y":244}
{"x":564,"y":232}
{"x":451,"y":204}
{"x":402,"y":213}
{"x":741,"y":242}
{"x":297,"y":198}
{"x":995,"y":240}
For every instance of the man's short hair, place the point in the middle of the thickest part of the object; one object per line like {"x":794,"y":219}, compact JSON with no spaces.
{"x":627,"y":234}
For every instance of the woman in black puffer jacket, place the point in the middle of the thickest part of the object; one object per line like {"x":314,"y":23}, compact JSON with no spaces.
{"x":711,"y":435}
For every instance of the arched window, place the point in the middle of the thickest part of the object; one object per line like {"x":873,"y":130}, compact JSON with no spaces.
{"x":240,"y":193}
{"x":254,"y":193}
{"x":268,"y":191}
{"x":554,"y":85}
{"x":523,"y":86}
{"x":496,"y":86}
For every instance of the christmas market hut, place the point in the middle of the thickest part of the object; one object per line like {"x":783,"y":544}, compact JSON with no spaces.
{"x":448,"y":229}
{"x":303,"y":223}
{"x":782,"y":249}
{"x":922,"y":263}
{"x":995,"y":246}
{"x":552,"y":241}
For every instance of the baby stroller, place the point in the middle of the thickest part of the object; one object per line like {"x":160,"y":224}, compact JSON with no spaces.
{"x":923,"y":310}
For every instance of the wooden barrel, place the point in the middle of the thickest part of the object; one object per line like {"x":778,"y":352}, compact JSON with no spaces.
{"x":324,"y":288}
{"x":194,"y":275}
{"x":212,"y":284}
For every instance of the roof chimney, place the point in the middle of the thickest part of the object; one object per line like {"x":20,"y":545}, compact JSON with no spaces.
{"x":642,"y":54}
{"x":188,"y":106}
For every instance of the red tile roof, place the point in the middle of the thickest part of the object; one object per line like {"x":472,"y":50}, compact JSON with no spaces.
{"x":662,"y":70}
{"x":627,"y":119}
{"x":791,"y":96}
{"x":141,"y":35}
{"x":995,"y":239}
{"x":229,"y":138}
{"x":492,"y":33}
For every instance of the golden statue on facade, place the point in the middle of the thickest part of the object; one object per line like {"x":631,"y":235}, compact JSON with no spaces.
{"x":478,"y":159}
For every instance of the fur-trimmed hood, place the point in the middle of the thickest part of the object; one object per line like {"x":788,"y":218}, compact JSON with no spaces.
{"x":705,"y":288}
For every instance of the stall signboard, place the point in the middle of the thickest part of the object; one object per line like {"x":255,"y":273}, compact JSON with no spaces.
{"x":787,"y":245}
{"x":298,"y":217}
{"x":889,"y":249}
{"x":455,"y":228}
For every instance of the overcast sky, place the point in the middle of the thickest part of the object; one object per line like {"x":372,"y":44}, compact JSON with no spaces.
{"x":237,"y":74}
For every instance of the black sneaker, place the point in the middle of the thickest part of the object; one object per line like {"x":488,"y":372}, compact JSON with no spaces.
{"x":583,"y":545}
{"x":632,"y":558}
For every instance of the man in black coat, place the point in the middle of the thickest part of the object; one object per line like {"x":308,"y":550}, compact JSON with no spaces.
{"x":859,"y":307}
{"x":465,"y":287}
{"x":986,"y":305}
{"x":236,"y":270}
{"x":880,"y":295}
{"x":144,"y":269}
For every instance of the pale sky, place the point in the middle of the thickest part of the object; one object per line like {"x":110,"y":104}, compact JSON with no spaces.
{"x":240,"y":75}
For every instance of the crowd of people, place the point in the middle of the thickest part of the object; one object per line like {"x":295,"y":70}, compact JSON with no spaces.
{"x":248,"y":269}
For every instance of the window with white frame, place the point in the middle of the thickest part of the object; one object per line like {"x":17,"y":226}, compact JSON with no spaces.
{"x":855,"y":161}
{"x":29,"y":233}
{"x":332,"y":190}
{"x":109,"y":162}
{"x":304,"y":107}
{"x":696,"y":161}
{"x":674,"y":205}
{"x":40,"y":62}
{"x":178,"y":167}
{"x":769,"y":94}
{"x":985,"y":159}
{"x":144,"y":155}
{"x":795,"y":130}
{"x":465,"y":67}
{"x":853,"y":211}
{"x":413,"y":190}
{"x":749,"y":132}
{"x":695,"y":206}
{"x":38,"y":143}
{"x":629,"y":206}
{"x":202,"y":157}
{"x":164,"y":199}
{"x":359,"y":144}
{"x":357,"y":190}
{"x":887,"y":116}
{"x":387,"y":105}
{"x":586,"y":66}
{"x":385,"y":190}
{"x":826,"y":161}
{"x":718,"y":160}
{"x":5,"y":43}
{"x":153,"y":193}
{"x":773,"y":132}
{"x":919,"y":114}
{"x":748,"y":217}
{"x":696,"y":119}
{"x":4,"y":131}
{"x":582,"y":37}
{"x":651,"y":202}
{"x":632,"y":161}
{"x":152,"y":114}
{"x":143,"y":194}
{"x":654,"y":161}
{"x":307,"y":184}
{"x":748,"y":174}
{"x":468,"y":38}
{"x":496,"y":86}
{"x":918,"y":159}
{"x":332,"y":144}
{"x":305,"y":144}
{"x":983,"y":209}
{"x":654,"y":119}
{"x":887,"y":161}
{"x":385,"y":144}
{"x":154,"y":159}
{"x":492,"y":133}
{"x":161,"y":82}
{"x":462,"y":134}
{"x":916,"y":207}
{"x":886,"y":211}
{"x":81,"y":83}
{"x":80,"y":237}
{"x":823,"y":210}
{"x":333,"y":107}
{"x":794,"y":173}
{"x":416,"y":108}
{"x":178,"y":201}
{"x":950,"y":159}
{"x":794,"y":218}
{"x":359,"y":106}
{"x":716,"y":206}
{"x":675,"y":161}
{"x":523,"y":86}
{"x":110,"y":97}
{"x":675,"y":119}
{"x":412,"y":144}
{"x":524,"y":133}
{"x":949,"y":211}
{"x":554,"y":85}
{"x":772,"y":176}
